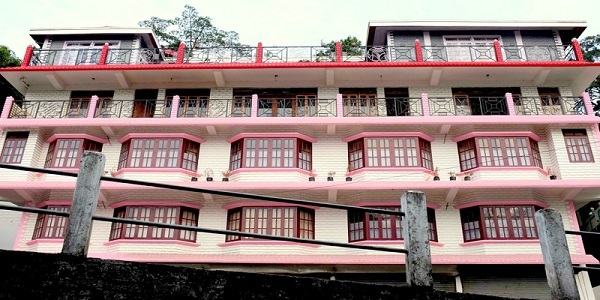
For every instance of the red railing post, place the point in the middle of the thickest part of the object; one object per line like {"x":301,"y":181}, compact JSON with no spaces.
{"x":103,"y":54}
{"x":7,"y":107}
{"x":418,"y":51}
{"x":27,"y":57}
{"x":259,"y":53}
{"x":577,"y":49}
{"x":338,"y":51}
{"x":498,"y":51}
{"x":180,"y":53}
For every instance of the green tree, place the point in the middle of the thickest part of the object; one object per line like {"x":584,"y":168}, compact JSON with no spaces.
{"x":350,"y":45}
{"x":8,"y":58}
{"x":590,"y":46}
{"x":191,"y":28}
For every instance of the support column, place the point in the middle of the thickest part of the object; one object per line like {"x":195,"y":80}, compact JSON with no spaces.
{"x":425,"y":104}
{"x":103,"y":54}
{"x":174,"y":107}
{"x":587,"y":103}
{"x":418,"y":51}
{"x":92,"y":107}
{"x":510,"y":104}
{"x":557,"y":260}
{"x":498,"y":51}
{"x":259,"y":53}
{"x":416,"y":239}
{"x":254,"y":108}
{"x":339,"y":105}
{"x":8,"y":103}
{"x":180,"y":53}
{"x":577,"y":50}
{"x":338,"y":52}
{"x":85,"y":200}
{"x":27,"y":57}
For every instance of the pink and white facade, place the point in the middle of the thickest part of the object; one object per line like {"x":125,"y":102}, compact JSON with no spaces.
{"x":501,"y":106}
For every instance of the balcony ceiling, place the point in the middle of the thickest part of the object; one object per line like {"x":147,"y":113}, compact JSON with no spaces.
{"x":275,"y":75}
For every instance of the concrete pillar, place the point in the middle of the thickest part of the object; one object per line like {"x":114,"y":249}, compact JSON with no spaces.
{"x":510,"y":104}
{"x":587,"y":103}
{"x":339,"y":104}
{"x":8,"y":103}
{"x":557,"y":260}
{"x":85,"y":200}
{"x":416,"y":239}
{"x":254,"y":107}
{"x":92,"y":107}
{"x":425,"y":104}
{"x":174,"y":106}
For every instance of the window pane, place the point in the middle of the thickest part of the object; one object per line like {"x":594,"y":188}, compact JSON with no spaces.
{"x":14,"y":146}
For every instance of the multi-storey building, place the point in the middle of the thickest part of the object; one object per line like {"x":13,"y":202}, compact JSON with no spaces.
{"x":490,"y":120}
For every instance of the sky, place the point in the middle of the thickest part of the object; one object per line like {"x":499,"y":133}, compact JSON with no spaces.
{"x":304,"y":22}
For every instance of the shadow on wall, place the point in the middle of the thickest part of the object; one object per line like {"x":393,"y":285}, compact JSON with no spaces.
{"x":9,"y":222}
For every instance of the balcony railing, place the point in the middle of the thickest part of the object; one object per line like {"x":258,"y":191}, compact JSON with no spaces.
{"x":554,"y":105}
{"x":50,"y":109}
{"x":214,"y":108}
{"x":296,"y":107}
{"x":467,"y":106}
{"x":494,"y":52}
{"x":382,"y":107}
{"x":109,"y":108}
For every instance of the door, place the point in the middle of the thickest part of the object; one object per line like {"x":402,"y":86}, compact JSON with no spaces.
{"x":551,"y":101}
{"x":144,"y":103}
{"x":360,"y":105}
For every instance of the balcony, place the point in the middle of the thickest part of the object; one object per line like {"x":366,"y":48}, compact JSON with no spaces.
{"x":307,"y":106}
{"x":468,"y":106}
{"x":382,"y":107}
{"x":549,"y":106}
{"x":416,"y":53}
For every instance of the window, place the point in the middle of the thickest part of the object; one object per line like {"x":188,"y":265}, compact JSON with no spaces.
{"x":296,"y":222}
{"x":498,"y":222}
{"x":373,"y":226}
{"x":14,"y":146}
{"x":66,"y":153}
{"x":159,"y":153}
{"x":498,"y":152}
{"x":271,"y":153}
{"x":49,"y":226}
{"x":385,"y":152}
{"x":160,"y":214}
{"x":578,"y":145}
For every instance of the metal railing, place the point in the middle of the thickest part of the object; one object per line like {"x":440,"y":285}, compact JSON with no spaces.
{"x":459,"y":53}
{"x":283,"y":54}
{"x":84,"y":56}
{"x":467,"y":106}
{"x":380,"y":53}
{"x":50,"y":109}
{"x":221,"y":55}
{"x":140,"y":56}
{"x":214,"y":108}
{"x":139,"y":108}
{"x":554,"y":105}
{"x":296,"y":107}
{"x":538,"y":53}
{"x":383,"y":107}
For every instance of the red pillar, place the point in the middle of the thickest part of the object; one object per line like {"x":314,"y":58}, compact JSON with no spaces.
{"x":27,"y":56}
{"x":418,"y":51}
{"x":180,"y":53}
{"x":259,"y":53}
{"x":498,"y":51}
{"x":338,"y":51}
{"x":103,"y":54}
{"x":577,"y":50}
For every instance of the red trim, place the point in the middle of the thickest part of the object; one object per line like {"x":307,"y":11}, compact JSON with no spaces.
{"x":338,"y":52}
{"x":27,"y":57}
{"x":103,"y":55}
{"x":577,"y":50}
{"x":180,"y":53}
{"x":389,"y":203}
{"x":56,"y":136}
{"x":168,"y":203}
{"x":259,"y":53}
{"x":418,"y":51}
{"x":469,"y":135}
{"x":258,"y":203}
{"x":161,"y":135}
{"x":388,"y":134}
{"x":270,"y":135}
{"x":498,"y":51}
{"x":501,"y":203}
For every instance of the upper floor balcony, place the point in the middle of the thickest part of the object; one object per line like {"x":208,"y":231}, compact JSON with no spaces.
{"x":490,"y":51}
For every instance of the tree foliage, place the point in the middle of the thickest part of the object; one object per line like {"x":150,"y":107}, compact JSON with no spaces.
{"x":8,"y":58}
{"x":191,"y":28}
{"x":590,"y":46}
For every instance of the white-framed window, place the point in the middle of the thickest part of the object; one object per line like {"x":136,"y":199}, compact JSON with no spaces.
{"x":83,"y":52}
{"x":470,"y":47}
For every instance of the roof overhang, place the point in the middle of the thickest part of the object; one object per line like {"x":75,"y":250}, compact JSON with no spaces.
{"x":39,"y":34}
{"x":576,"y":27}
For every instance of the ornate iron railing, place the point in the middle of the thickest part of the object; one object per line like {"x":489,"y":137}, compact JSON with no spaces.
{"x":459,"y":53}
{"x":204,"y":107}
{"x":297,"y":54}
{"x":555,"y":105}
{"x":50,"y":109}
{"x":221,"y":55}
{"x":383,"y":107}
{"x":467,"y":106}
{"x":139,"y":108}
{"x":141,"y":56}
{"x":380,"y":53}
{"x":538,"y":53}
{"x":65,"y":57}
{"x":296,"y":107}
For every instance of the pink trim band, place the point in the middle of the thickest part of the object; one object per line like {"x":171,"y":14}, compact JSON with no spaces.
{"x":56,"y":136}
{"x":389,"y":169}
{"x":157,"y":170}
{"x":154,"y":203}
{"x":256,"y":203}
{"x":483,"y":242}
{"x":507,"y":169}
{"x":272,"y":135}
{"x":387,"y":134}
{"x":390,"y":203}
{"x":469,"y":135}
{"x":278,"y":170}
{"x":161,"y":135}
{"x":54,"y":202}
{"x":42,"y":240}
{"x":141,"y":241}
{"x":501,"y":202}
{"x":266,"y":243}
{"x":392,"y":242}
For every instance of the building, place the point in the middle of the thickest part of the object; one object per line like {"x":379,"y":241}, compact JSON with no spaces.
{"x":489,"y":119}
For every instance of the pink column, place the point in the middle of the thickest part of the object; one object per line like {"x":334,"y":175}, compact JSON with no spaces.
{"x":103,"y":54}
{"x":338,"y":52}
{"x":577,"y":49}
{"x":425,"y":104}
{"x":92,"y":108}
{"x":587,"y":102}
{"x":510,"y":104}
{"x":498,"y":51}
{"x":7,"y":107}
{"x":418,"y":51}
{"x":254,"y":108}
{"x":339,"y":101}
{"x":180,"y":53}
{"x":174,"y":106}
{"x":27,"y":57}
{"x":259,"y":53}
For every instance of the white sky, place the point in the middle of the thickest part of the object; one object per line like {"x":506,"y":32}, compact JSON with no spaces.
{"x":304,"y":22}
